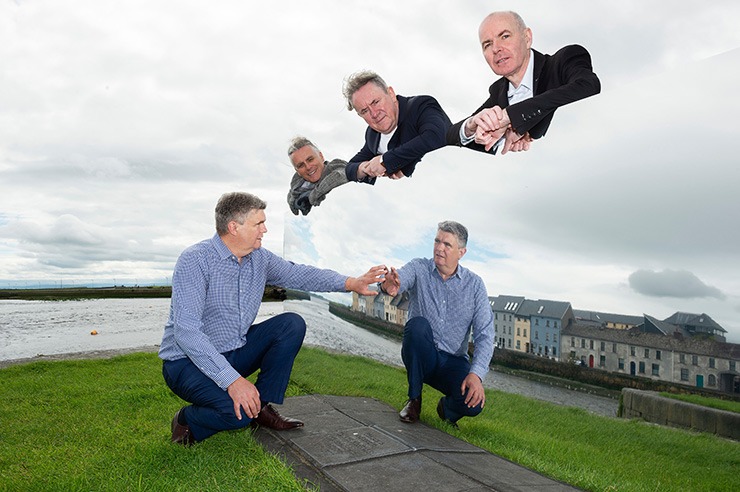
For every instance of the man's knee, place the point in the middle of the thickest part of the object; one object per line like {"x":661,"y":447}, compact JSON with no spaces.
{"x":294,"y":326}
{"x":417,"y":326}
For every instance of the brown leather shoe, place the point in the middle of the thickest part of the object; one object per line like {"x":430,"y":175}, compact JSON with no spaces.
{"x":411,"y":411}
{"x":181,"y":433}
{"x":441,"y":413}
{"x":269,"y":417}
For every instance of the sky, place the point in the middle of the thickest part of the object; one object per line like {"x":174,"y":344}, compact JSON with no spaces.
{"x":121,"y":124}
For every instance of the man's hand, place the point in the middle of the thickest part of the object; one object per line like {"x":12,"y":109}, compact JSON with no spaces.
{"x":359,"y":284}
{"x":488,"y":126}
{"x":476,"y":393}
{"x":392,"y":282}
{"x":244,"y":395}
{"x":375,"y":167}
{"x":515,"y":142}
{"x":397,"y":175}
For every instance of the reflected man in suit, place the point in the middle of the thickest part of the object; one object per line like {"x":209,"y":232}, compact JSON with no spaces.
{"x":401,"y":130}
{"x":532,"y":86}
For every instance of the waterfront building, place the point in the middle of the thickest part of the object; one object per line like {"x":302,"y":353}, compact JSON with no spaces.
{"x":504,"y":309}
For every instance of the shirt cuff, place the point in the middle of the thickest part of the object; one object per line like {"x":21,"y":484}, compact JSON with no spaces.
{"x":464,"y":139}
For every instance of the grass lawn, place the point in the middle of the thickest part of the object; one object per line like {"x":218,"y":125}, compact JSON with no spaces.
{"x":730,"y":406}
{"x":104,"y":425}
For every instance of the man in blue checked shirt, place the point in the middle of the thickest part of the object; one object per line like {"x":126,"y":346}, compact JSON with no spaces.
{"x":446,"y":302}
{"x":210,"y":344}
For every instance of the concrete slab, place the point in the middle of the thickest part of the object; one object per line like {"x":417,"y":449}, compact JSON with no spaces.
{"x":358,"y":444}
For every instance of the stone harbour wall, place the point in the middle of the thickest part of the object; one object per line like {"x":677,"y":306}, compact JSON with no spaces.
{"x":652,"y":407}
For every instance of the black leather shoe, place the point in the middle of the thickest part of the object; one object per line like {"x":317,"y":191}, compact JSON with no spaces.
{"x":269,"y":417}
{"x":441,"y":413}
{"x":411,"y":411}
{"x":181,"y":433}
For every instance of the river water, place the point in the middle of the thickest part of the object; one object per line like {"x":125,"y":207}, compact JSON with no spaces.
{"x":46,"y":328}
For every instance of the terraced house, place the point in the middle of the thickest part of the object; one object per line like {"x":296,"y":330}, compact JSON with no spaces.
{"x":530,"y":326}
{"x":660,"y":352}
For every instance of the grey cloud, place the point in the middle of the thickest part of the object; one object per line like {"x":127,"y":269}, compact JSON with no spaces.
{"x":672,"y":283}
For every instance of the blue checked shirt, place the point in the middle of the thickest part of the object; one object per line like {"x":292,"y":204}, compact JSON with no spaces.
{"x":215,"y":300}
{"x":452,"y":307}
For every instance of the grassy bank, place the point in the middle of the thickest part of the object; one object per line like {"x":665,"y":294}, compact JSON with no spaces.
{"x":730,"y":406}
{"x":104,"y":425}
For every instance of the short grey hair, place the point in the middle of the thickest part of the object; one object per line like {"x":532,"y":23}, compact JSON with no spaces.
{"x":457,"y":229}
{"x":357,"y":80}
{"x":235,"y":206}
{"x":300,"y":142}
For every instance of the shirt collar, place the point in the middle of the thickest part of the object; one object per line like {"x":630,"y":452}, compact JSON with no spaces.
{"x":223,"y":251}
{"x":458,"y":273}
{"x":527,"y":81}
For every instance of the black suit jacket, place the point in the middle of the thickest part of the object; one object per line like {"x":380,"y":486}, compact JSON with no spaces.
{"x":422,"y":127}
{"x":560,"y":79}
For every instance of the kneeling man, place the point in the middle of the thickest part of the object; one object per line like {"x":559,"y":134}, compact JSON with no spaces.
{"x":446,"y":302}
{"x":210,"y":344}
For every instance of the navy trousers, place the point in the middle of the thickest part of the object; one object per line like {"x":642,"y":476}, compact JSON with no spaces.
{"x":271,"y":347}
{"x":442,"y":371}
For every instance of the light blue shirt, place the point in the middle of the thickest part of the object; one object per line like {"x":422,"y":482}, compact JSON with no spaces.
{"x":215,"y":300}
{"x":453,"y":307}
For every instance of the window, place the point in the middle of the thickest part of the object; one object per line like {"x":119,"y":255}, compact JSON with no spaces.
{"x":602,"y":360}
{"x":591,"y":344}
{"x":656,"y":369}
{"x":573,"y":354}
{"x":547,"y":337}
{"x":518,"y":345}
{"x":732,"y":365}
{"x":583,"y":343}
{"x":711,"y":362}
{"x":684,"y":374}
{"x":495,"y":315}
{"x":632,"y":351}
{"x":525,"y":333}
{"x":603,"y":346}
{"x":537,"y":321}
{"x":555,"y":338}
{"x":695,"y":360}
{"x":682,"y":358}
{"x":537,"y":335}
{"x":555,"y":323}
{"x":518,"y":332}
{"x":547,"y":323}
{"x":509,"y":342}
{"x":509,"y":317}
{"x":657,"y":354}
{"x":495,"y":327}
{"x":614,"y":348}
{"x":554,"y":352}
{"x":712,"y":380}
{"x":647,"y":353}
{"x":572,"y":341}
{"x":642,"y":368}
{"x":621,"y":364}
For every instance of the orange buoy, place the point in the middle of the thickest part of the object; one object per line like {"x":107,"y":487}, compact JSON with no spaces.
{"x":94,"y":332}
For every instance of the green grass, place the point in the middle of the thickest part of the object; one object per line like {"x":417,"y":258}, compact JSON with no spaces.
{"x":730,"y":406}
{"x":104,"y":425}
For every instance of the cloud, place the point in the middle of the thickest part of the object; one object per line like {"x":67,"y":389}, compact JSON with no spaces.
{"x":672,"y":283}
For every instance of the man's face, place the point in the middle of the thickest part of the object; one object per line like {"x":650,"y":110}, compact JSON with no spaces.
{"x":378,"y":108}
{"x":505,"y":47}
{"x":446,"y":252}
{"x":251,"y":231}
{"x":308,"y":163}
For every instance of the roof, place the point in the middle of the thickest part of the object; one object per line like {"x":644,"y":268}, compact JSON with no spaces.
{"x":506,"y":304}
{"x":689,"y":319}
{"x":551,"y":309}
{"x":599,"y":317}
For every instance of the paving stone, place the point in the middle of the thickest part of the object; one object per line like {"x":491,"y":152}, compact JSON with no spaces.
{"x":359,"y":444}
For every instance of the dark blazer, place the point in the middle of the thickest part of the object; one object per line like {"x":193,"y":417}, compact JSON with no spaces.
{"x":422,"y":127}
{"x":560,"y":79}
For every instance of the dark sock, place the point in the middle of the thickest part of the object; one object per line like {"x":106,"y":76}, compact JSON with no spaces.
{"x":181,"y":418}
